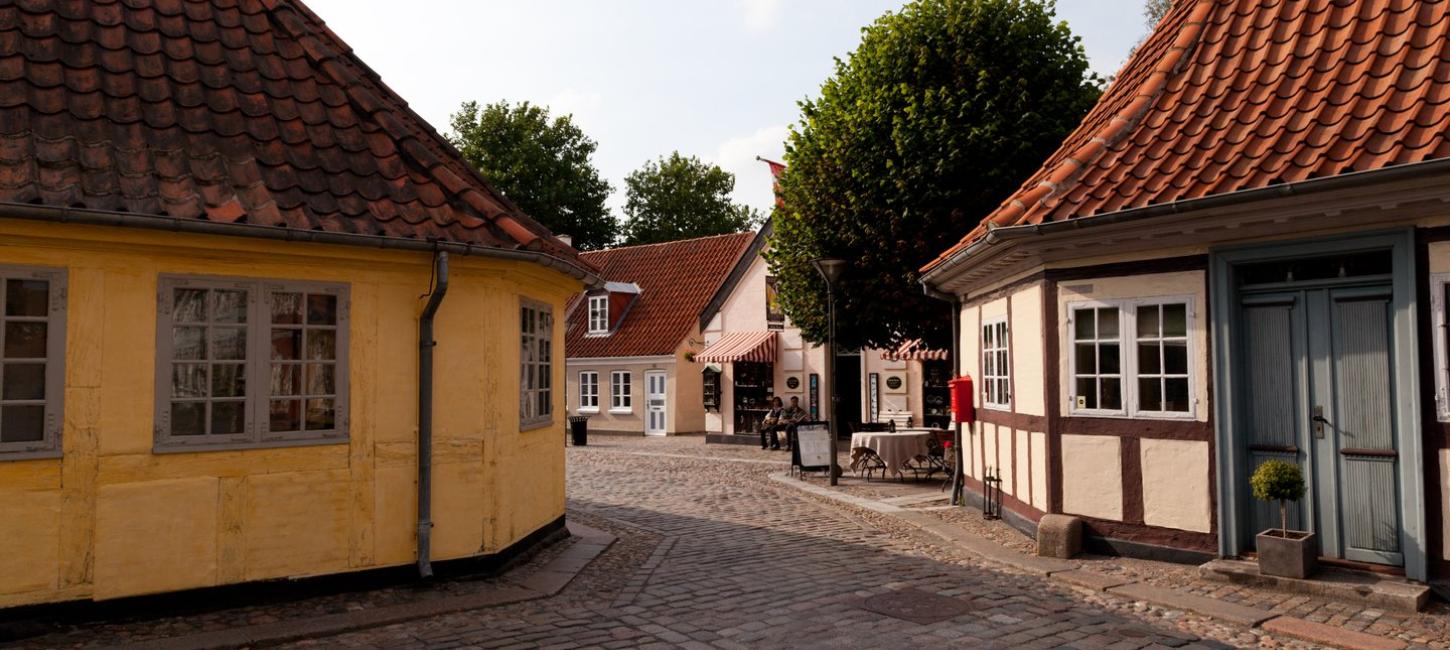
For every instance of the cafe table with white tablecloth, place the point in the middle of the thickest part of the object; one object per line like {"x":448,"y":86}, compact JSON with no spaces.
{"x":895,"y":448}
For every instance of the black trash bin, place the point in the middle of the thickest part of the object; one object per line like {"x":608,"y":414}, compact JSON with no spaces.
{"x":579,"y":429}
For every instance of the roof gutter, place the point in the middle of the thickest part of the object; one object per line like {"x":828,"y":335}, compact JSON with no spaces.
{"x":934,"y":277}
{"x":91,"y":217}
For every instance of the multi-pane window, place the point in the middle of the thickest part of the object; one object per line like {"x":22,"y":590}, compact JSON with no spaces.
{"x":303,"y":367}
{"x":996,"y":365}
{"x":589,"y":391}
{"x":250,"y":361}
{"x":32,"y":350}
{"x":598,"y":314}
{"x":620,"y":398}
{"x":536,"y":341}
{"x":1132,"y":358}
{"x":208,"y":361}
{"x":1097,"y":359}
{"x":1162,"y":337}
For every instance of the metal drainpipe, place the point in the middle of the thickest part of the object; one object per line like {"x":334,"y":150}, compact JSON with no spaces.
{"x":425,"y":414}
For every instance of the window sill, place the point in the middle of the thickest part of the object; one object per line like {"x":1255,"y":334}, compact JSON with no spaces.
{"x":199,"y":447}
{"x":537,"y":424}
{"x":1005,"y":408}
{"x":1123,"y":415}
{"x":621,"y":411}
{"x":588,"y":411}
{"x":45,"y":454}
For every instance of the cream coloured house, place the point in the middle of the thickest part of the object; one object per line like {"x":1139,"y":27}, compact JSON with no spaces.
{"x":755,"y":353}
{"x":630,"y":345}
{"x":1242,"y":254}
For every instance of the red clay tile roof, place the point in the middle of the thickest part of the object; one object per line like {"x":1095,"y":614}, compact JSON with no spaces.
{"x":1231,"y":95}
{"x":676,"y":281}
{"x":228,"y":110}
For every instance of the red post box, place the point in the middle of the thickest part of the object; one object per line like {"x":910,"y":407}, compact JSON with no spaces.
{"x":963,"y":409}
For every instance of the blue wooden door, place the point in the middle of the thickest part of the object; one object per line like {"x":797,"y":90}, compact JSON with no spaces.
{"x":1356,"y":437}
{"x":1317,"y":389}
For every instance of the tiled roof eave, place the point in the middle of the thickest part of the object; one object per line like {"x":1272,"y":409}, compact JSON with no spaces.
{"x":937,"y":274}
{"x":86,"y":216}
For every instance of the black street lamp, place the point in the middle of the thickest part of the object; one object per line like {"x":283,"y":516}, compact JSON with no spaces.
{"x":830,"y":269}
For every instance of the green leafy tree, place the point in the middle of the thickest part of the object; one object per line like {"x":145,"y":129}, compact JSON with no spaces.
{"x":540,"y":163}
{"x":679,"y":198}
{"x":1281,"y":481}
{"x":940,"y":113}
{"x":1155,"y":10}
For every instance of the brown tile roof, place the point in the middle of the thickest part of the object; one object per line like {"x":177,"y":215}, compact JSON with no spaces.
{"x":676,"y":280}
{"x":230,"y":111}
{"x":1231,"y":95}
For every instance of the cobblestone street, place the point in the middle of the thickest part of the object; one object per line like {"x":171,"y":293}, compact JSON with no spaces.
{"x":711,"y":552}
{"x":712,"y":555}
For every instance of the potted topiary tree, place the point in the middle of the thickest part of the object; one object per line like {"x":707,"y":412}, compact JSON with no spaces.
{"x":1283,"y":552}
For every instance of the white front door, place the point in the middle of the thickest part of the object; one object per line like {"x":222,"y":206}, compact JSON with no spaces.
{"x":655,"y":401}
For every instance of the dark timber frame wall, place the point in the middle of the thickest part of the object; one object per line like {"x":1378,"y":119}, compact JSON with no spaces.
{"x":1131,"y":536}
{"x":1434,"y":434}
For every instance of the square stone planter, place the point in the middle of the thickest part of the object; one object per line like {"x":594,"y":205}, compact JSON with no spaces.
{"x":1295,"y":556}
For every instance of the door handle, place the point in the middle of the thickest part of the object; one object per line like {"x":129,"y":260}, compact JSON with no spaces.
{"x":1319,"y":421}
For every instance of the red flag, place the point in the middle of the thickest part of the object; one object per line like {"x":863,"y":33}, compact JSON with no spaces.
{"x":776,"y":169}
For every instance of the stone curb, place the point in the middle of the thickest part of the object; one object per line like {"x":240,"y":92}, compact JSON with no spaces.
{"x":1365,"y":590}
{"x":548,"y":580}
{"x":1334,"y":637}
{"x":1072,"y":573}
{"x":661,"y":454}
{"x":1211,"y":607}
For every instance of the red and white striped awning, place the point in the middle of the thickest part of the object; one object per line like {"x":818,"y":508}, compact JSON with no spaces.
{"x":740,"y":346}
{"x":914,"y":351}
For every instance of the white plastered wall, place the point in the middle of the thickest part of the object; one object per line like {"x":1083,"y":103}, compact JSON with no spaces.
{"x":1092,"y":471}
{"x":1027,"y":352}
{"x":1018,"y":456}
{"x":1176,"y":484}
{"x":744,"y":310}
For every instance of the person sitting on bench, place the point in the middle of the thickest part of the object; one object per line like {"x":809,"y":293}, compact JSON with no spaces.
{"x":789,"y":418}
{"x":768,"y":426}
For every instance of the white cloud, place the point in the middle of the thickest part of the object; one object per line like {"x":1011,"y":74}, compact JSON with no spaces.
{"x":752,"y":177}
{"x":761,"y":15}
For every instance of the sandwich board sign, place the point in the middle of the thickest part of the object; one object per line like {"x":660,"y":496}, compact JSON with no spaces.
{"x":813,"y":443}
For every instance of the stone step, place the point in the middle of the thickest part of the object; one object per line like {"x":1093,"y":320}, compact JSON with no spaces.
{"x":1358,"y":587}
{"x":914,"y":499}
{"x":1211,"y":607}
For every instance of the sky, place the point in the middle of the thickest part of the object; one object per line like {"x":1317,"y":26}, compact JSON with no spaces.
{"x":718,"y":79}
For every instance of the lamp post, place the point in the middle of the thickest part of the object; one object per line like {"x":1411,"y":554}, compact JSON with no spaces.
{"x":830,"y":269}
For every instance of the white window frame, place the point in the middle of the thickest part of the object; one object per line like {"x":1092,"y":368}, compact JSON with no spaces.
{"x":1439,"y":283}
{"x":258,"y":361}
{"x":1128,"y":357}
{"x":991,"y":377}
{"x":536,"y":361}
{"x":589,"y":391}
{"x":52,"y":400}
{"x":621,"y":391}
{"x":599,"y":314}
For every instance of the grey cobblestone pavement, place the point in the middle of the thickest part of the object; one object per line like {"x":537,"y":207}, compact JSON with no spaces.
{"x":711,"y":555}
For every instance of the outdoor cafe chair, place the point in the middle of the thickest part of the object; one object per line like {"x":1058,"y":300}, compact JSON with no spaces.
{"x":865,"y":459}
